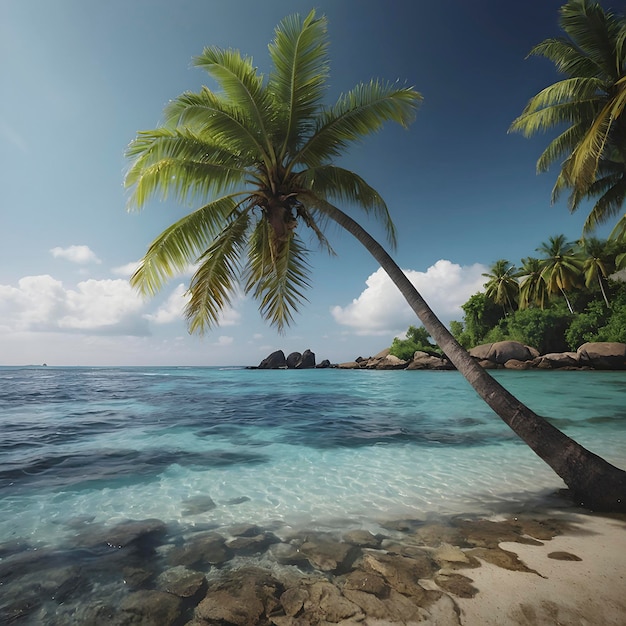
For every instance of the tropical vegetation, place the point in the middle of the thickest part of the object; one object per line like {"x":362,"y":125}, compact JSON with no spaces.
{"x":259,"y":158}
{"x":586,"y":109}
{"x":568,"y":295}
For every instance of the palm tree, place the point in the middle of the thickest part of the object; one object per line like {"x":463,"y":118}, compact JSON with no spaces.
{"x":502,"y":287}
{"x":562,"y":268}
{"x":533,"y":290}
{"x":599,"y":262}
{"x":262,"y":152}
{"x":589,"y":103}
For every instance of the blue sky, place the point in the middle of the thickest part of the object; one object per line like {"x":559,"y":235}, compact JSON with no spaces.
{"x":80,"y":78}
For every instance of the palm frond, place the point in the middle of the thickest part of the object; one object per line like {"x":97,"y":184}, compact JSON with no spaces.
{"x":334,"y":184}
{"x":176,"y":163}
{"x":242,"y":86}
{"x":582,"y":167}
{"x":298,"y":81}
{"x":612,"y":194}
{"x":560,"y":146}
{"x":277,"y":277}
{"x":357,"y":114}
{"x":215,"y":119}
{"x":212,"y":286}
{"x":590,"y":28}
{"x":546,"y":118}
{"x":567,"y":58}
{"x":180,"y":244}
{"x":619,"y":234}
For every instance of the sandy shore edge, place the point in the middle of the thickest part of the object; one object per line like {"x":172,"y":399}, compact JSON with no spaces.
{"x":588,"y":591}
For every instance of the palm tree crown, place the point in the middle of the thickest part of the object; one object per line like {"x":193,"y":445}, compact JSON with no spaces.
{"x":502,"y":286}
{"x":589,"y":102}
{"x":258,"y":158}
{"x":562,"y":267}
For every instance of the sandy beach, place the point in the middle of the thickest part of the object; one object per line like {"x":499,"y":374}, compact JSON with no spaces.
{"x":588,"y":589}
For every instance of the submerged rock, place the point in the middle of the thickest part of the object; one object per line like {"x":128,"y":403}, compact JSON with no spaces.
{"x":147,"y":607}
{"x":241,"y":598}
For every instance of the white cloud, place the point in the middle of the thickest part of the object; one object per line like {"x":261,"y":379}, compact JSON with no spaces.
{"x":172,"y":309}
{"x":381,"y":310}
{"x":75,"y":254}
{"x":224,"y":340}
{"x":43,"y":304}
{"x":126,"y":270}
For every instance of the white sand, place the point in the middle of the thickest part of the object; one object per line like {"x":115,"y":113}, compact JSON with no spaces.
{"x":569,"y":593}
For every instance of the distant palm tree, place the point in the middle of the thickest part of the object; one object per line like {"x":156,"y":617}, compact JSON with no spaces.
{"x":502,"y":287}
{"x":589,"y":103}
{"x":598,"y":262}
{"x":533,"y":290}
{"x":262,"y":151}
{"x":562,"y":267}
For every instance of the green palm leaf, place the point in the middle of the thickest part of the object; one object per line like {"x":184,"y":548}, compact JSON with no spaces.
{"x":357,"y":114}
{"x":298,"y":82}
{"x":212,"y":286}
{"x":180,"y":244}
{"x":178,"y":164}
{"x":276,"y":277}
{"x":341,"y":185}
{"x":590,"y":102}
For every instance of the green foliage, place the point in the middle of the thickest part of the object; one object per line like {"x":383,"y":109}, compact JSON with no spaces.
{"x":615,"y":328}
{"x":566,"y":298}
{"x":585,"y":326}
{"x":417,"y":338}
{"x":481,"y":315}
{"x":586,"y":109}
{"x":541,"y":329}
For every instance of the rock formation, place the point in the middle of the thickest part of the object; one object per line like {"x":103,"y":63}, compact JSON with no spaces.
{"x":501,"y":354}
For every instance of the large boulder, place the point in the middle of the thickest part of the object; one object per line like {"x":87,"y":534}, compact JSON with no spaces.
{"x":307,"y":360}
{"x":502,"y":351}
{"x":274,"y":361}
{"x":293,"y":360}
{"x":606,"y":355}
{"x":555,"y":360}
{"x":424,"y":361}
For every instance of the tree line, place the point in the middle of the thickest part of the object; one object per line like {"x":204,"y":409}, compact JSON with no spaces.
{"x":571,"y":293}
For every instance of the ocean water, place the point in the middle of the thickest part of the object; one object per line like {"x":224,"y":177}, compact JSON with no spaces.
{"x":294,"y":446}
{"x":202,"y":448}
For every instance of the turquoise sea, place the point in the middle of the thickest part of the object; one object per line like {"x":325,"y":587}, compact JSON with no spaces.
{"x":83,"y":449}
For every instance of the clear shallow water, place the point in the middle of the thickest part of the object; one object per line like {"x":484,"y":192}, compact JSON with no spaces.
{"x":197,"y":456}
{"x":325,"y":447}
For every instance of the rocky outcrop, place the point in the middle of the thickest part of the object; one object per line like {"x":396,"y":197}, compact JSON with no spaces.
{"x":603,"y":355}
{"x":505,"y":355}
{"x":501,"y":354}
{"x":503,"y":351}
{"x":274,"y":361}
{"x":295,"y":360}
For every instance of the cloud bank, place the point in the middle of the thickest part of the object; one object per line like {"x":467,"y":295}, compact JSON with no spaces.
{"x":380,"y":309}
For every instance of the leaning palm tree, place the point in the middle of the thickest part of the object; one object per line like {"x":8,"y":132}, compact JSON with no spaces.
{"x":562,"y":267}
{"x":258,"y":157}
{"x":586,"y":108}
{"x":502,"y":286}
{"x":533,"y":290}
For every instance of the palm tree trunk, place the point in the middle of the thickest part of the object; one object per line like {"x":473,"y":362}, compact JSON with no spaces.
{"x":593,"y":482}
{"x":606,"y":300}
{"x":569,"y":306}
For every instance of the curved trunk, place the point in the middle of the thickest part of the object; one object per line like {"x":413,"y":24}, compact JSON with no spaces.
{"x":593,"y":482}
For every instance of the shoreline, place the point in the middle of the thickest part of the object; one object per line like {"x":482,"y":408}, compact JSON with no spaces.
{"x":541,"y":562}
